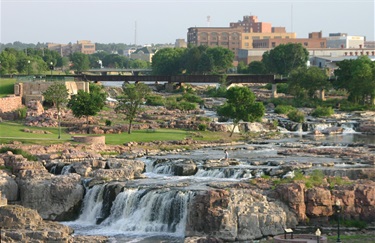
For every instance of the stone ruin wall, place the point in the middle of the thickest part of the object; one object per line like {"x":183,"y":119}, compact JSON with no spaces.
{"x":10,"y":103}
{"x":34,"y":90}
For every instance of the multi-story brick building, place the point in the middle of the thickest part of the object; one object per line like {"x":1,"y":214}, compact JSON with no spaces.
{"x":83,"y":46}
{"x":315,"y":40}
{"x":238,"y":35}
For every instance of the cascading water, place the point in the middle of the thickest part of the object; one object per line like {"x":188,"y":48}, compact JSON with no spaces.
{"x":136,"y":212}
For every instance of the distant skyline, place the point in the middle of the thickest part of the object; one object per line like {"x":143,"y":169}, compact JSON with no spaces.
{"x":163,"y":21}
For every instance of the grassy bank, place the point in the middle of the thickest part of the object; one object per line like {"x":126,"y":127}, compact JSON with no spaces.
{"x":13,"y":131}
{"x":6,"y":86}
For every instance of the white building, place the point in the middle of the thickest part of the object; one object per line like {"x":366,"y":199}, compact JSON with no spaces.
{"x":342,"y":40}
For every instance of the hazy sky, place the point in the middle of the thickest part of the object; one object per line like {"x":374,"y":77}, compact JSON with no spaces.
{"x":164,"y":21}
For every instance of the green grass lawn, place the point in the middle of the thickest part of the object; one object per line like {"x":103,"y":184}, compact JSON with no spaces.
{"x":7,"y":86}
{"x":13,"y":131}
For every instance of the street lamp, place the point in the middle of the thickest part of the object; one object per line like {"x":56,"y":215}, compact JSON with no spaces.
{"x":318,"y":234}
{"x":338,"y":211}
{"x":59,"y":118}
{"x":28,"y":67}
{"x":51,"y":68}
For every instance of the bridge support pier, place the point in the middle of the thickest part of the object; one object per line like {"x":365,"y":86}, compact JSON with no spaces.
{"x":169,"y":86}
{"x":274,"y":91}
{"x":322,"y":94}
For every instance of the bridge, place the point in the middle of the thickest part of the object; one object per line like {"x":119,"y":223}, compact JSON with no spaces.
{"x":192,"y":79}
{"x":133,"y":71}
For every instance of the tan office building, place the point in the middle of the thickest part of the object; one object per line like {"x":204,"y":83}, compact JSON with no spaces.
{"x":239,"y":35}
{"x":83,"y":46}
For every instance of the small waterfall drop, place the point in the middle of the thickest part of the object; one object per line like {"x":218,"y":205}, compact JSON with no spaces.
{"x":138,"y":211}
{"x":92,"y":205}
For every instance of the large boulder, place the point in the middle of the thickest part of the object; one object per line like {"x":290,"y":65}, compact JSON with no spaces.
{"x":21,"y":224}
{"x":8,"y":186}
{"x":54,"y":197}
{"x":234,"y":215}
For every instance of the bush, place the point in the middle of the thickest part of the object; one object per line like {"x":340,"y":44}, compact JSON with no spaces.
{"x":192,"y":98}
{"x":281,"y":88}
{"x":323,"y":112}
{"x":296,"y":116}
{"x":284,"y":109}
{"x":22,"y":113}
{"x":108,"y":122}
{"x":155,"y":100}
{"x":24,"y":154}
{"x":202,"y":127}
{"x":217,"y":92}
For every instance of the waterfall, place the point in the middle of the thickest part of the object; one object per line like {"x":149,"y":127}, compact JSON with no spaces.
{"x":66,"y":169}
{"x":233,"y":173}
{"x":138,"y":211}
{"x":143,"y":211}
{"x":92,"y":205}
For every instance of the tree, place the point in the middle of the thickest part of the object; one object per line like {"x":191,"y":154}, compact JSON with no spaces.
{"x":358,"y":78}
{"x":241,"y":105}
{"x":58,"y":94}
{"x":80,"y":61}
{"x":87,"y":104}
{"x":222,"y":58}
{"x":131,"y":100}
{"x":256,"y":67}
{"x":284,"y":58}
{"x":304,"y":81}
{"x":167,"y":61}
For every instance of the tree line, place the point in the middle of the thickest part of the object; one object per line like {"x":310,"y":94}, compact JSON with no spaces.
{"x":356,"y":76}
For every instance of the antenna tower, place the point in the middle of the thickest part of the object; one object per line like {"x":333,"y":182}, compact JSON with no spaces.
{"x":135,"y":33}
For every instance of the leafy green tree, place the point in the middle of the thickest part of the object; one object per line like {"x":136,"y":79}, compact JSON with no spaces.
{"x":222,"y":58}
{"x":284,"y":58}
{"x":87,"y":104}
{"x":58,"y":94}
{"x":80,"y":62}
{"x":304,"y":81}
{"x":167,"y":61}
{"x":242,"y":68}
{"x":241,"y":106}
{"x":256,"y":67}
{"x":130,"y":102}
{"x":358,"y":78}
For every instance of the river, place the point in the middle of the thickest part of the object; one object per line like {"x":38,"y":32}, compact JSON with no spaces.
{"x":141,"y":214}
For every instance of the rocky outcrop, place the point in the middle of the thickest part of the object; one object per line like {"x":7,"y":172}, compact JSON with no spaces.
{"x":8,"y":185}
{"x":234,"y":215}
{"x":54,"y":197}
{"x":357,"y":200}
{"x":21,"y":224}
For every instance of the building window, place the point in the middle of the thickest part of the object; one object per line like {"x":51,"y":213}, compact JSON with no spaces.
{"x":256,"y":37}
{"x":305,"y":44}
{"x":273,"y":44}
{"x":246,"y":43}
{"x":246,"y":37}
{"x":322,"y":44}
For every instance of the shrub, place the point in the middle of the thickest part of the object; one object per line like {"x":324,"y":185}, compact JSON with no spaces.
{"x":216,"y":92}
{"x":22,"y":113}
{"x":155,"y":100}
{"x":296,"y":116}
{"x":284,"y":109}
{"x":108,"y":122}
{"x":202,"y":127}
{"x":24,"y":154}
{"x":192,"y":98}
{"x":323,"y":112}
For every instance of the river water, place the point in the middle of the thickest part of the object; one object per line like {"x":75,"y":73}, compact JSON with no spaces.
{"x":154,"y":209}
{"x":141,"y":214}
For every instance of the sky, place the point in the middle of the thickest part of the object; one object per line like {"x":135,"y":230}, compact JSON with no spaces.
{"x":163,"y":21}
